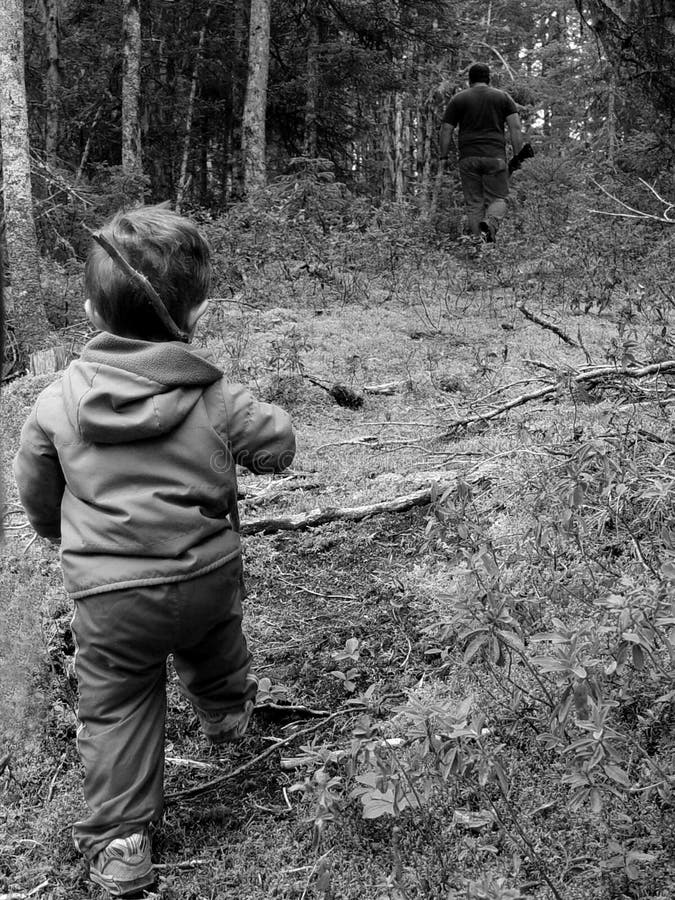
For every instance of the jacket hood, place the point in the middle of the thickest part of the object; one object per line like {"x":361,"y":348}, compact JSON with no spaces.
{"x":122,"y":390}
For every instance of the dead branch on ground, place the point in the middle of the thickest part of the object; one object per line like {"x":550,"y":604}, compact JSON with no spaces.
{"x":276,"y":489}
{"x":589,"y":377}
{"x":549,"y":326}
{"x":215,"y":783}
{"x":319,"y":516}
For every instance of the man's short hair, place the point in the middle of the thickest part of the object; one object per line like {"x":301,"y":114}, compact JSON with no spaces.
{"x":479,"y":72}
{"x":171,"y":253}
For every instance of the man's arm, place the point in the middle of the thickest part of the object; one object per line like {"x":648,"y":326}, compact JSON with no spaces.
{"x":515,"y":132}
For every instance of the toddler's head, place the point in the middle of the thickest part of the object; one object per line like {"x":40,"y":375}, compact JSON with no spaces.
{"x":171,"y":253}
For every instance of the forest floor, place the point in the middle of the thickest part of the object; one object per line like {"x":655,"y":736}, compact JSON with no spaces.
{"x":385,"y":759}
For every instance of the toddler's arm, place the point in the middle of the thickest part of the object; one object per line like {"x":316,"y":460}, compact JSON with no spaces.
{"x":260,"y":434}
{"x":39,"y":478}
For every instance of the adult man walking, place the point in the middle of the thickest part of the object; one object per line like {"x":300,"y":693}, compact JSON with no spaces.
{"x":481,"y":112}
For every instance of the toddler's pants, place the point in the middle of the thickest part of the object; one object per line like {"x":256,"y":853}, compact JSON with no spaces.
{"x":123,"y":639}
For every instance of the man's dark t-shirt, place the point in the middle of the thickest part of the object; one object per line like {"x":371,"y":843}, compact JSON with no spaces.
{"x":481,"y":112}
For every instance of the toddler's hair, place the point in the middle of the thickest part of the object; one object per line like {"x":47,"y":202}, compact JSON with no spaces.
{"x":171,"y":253}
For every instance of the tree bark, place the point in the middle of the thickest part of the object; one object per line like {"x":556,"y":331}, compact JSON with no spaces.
{"x":255,"y":104}
{"x":183,"y":180}
{"x":312,"y":89}
{"x":24,"y":297}
{"x":50,"y":11}
{"x":131,"y":90}
{"x":333,"y":514}
{"x":639,"y":40}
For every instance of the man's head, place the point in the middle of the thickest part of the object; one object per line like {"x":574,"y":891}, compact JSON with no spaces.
{"x":172,"y":255}
{"x":479,"y":73}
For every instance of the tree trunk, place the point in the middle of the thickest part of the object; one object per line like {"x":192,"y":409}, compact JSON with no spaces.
{"x":131,"y":90}
{"x":24,"y":299}
{"x":255,"y":104}
{"x":611,"y":119}
{"x":50,"y":11}
{"x":312,"y":89}
{"x":183,"y":180}
{"x":639,"y":40}
{"x":233,"y":177}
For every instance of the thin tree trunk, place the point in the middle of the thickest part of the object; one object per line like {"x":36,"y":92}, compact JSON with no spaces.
{"x":183,"y":180}
{"x":50,"y":11}
{"x":25,"y":301}
{"x":611,"y":118}
{"x":87,"y":146}
{"x":234,"y":171}
{"x":396,"y":137}
{"x":255,"y":104}
{"x":312,"y":90}
{"x":131,"y":91}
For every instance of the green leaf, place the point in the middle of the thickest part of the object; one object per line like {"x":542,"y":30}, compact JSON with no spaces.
{"x":638,"y":657}
{"x":617,"y":774}
{"x":474,"y":647}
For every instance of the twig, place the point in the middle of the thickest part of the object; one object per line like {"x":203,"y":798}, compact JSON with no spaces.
{"x":215,"y":783}
{"x":295,"y":709}
{"x":276,"y":489}
{"x":323,"y":594}
{"x":140,"y":281}
{"x":500,"y":390}
{"x":548,"y":325}
{"x":30,"y":543}
{"x":50,"y":792}
{"x":541,"y":365}
{"x":188,"y":864}
{"x":16,"y":895}
{"x":314,"y":868}
{"x":632,"y":213}
{"x":399,"y":424}
{"x":364,"y":441}
{"x":389,"y":388}
{"x":189,"y":763}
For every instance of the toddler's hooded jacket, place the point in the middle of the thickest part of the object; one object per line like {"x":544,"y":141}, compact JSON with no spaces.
{"x":129,"y":458}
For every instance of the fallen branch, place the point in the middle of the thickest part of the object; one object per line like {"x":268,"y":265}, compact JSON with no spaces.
{"x":335,"y":513}
{"x":276,"y":489}
{"x":544,"y":324}
{"x":215,"y":783}
{"x":596,"y":374}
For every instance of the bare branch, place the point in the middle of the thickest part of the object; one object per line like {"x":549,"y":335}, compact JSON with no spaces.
{"x":665,"y":218}
{"x":595,"y":374}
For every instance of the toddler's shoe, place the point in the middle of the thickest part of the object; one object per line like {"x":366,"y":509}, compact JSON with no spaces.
{"x":124,"y":867}
{"x":221,"y":727}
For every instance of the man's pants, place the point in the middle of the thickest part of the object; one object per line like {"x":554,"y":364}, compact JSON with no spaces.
{"x":485,"y":183}
{"x":122,"y":641}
